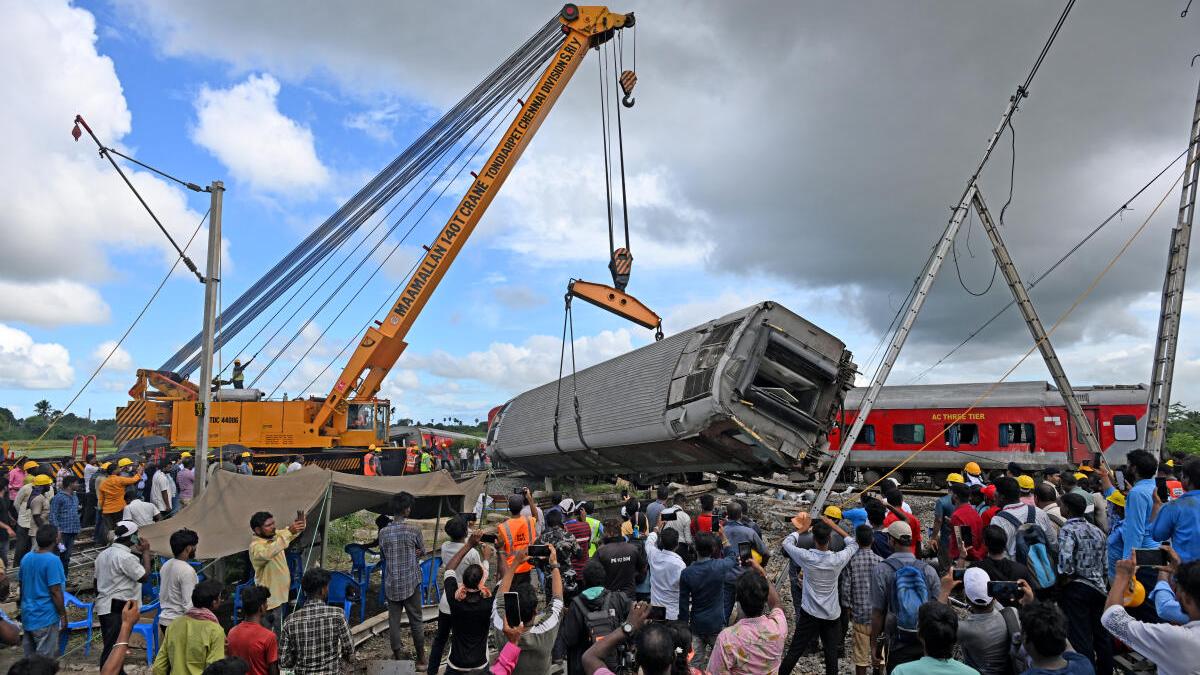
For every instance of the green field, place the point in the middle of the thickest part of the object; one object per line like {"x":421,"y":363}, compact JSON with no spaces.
{"x":50,"y":448}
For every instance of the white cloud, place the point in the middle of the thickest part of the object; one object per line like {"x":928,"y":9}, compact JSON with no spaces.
{"x":51,"y":303}
{"x":243,"y":128}
{"x":120,"y":359}
{"x":56,"y":191}
{"x":25,"y":364}
{"x":514,"y":368}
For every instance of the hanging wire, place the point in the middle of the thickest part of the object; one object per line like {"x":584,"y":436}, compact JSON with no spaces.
{"x":602,"y":62}
{"x":121,"y":340}
{"x":1078,"y":245}
{"x":621,"y":147}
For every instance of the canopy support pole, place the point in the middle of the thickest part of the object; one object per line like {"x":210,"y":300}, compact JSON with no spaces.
{"x":328,"y":509}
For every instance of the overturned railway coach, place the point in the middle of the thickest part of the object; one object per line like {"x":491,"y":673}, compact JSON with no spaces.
{"x":751,"y":392}
{"x":1022,"y":422}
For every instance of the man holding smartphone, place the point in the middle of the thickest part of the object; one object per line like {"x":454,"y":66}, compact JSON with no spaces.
{"x":518,"y":532}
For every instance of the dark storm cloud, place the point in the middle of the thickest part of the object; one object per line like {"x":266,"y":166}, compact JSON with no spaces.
{"x":825,"y":141}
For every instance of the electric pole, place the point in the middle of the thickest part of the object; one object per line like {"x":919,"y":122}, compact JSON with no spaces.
{"x":203,"y":406}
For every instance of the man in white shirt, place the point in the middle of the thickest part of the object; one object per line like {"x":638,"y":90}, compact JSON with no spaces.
{"x":1174,"y":649}
{"x":138,"y":510}
{"x":681,"y":522}
{"x":177,"y":578}
{"x":162,"y":489}
{"x":820,"y":610}
{"x":296,"y":465}
{"x":665,"y":568}
{"x":119,"y":578}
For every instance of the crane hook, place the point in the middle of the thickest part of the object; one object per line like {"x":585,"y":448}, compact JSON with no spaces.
{"x":627,"y":80}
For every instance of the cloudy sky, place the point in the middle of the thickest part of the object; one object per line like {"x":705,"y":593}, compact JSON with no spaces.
{"x":803,"y":152}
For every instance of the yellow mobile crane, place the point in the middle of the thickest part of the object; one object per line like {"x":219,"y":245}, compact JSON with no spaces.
{"x":349,"y":416}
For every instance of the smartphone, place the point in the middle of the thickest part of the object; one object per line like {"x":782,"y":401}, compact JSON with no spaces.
{"x":958,"y":574}
{"x":624,"y":495}
{"x":1164,"y":494}
{"x":489,"y":538}
{"x":299,"y":514}
{"x":965,"y":536}
{"x":1150,"y":557}
{"x":657,"y":613}
{"x":744,"y":550}
{"x":525,"y":489}
{"x":539,"y":550}
{"x":1004,"y":590}
{"x":716,"y":524}
{"x":668,"y":516}
{"x":512,"y":608}
{"x":470,"y":517}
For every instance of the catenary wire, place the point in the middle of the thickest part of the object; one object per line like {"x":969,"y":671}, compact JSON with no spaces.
{"x":1078,"y":245}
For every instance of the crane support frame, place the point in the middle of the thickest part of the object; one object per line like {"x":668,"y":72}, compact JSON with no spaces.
{"x":1171,"y":310}
{"x":377,"y":352}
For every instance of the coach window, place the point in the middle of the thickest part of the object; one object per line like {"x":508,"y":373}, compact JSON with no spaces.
{"x":1124,"y":427}
{"x":867,"y":435}
{"x":1016,"y":433}
{"x":908,"y":433}
{"x":962,"y":434}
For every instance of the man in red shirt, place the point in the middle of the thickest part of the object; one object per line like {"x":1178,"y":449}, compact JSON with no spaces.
{"x":250,"y":640}
{"x":966,"y":526}
{"x":989,"y":496}
{"x":894,"y":500}
{"x":704,"y":521}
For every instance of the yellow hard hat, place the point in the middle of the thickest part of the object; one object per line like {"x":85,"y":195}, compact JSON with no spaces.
{"x":1135,"y":595}
{"x":29,"y":465}
{"x":955,"y":478}
{"x":1171,"y":463}
{"x":184,"y":455}
{"x":372,"y":447}
{"x":1085,"y":468}
{"x":245,"y":454}
{"x":1081,"y":476}
{"x":1117,"y":498}
{"x":123,"y":462}
{"x":1025,"y":482}
{"x":973,"y":468}
{"x":106,"y":465}
{"x":833,"y":512}
{"x":42,"y":479}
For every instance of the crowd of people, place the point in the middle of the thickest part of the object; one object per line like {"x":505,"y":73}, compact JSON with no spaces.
{"x":1016,"y":572}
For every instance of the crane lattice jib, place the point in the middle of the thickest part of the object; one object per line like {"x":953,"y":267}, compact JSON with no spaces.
{"x":583,"y":27}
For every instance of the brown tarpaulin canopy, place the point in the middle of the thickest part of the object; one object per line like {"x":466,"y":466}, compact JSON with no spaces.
{"x":221,"y":516}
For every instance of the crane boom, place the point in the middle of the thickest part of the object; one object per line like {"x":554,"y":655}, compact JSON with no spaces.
{"x":383,"y":344}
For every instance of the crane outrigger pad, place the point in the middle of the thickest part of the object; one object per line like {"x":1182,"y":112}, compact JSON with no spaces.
{"x":707,"y":398}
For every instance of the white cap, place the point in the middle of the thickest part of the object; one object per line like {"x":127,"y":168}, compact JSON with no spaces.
{"x":567,"y":505}
{"x":129,"y":526}
{"x":975,"y":581}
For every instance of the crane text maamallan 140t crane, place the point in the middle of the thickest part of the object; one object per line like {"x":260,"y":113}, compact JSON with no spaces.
{"x":349,"y":416}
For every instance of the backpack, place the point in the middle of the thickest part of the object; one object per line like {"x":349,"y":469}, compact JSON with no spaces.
{"x":1033,"y":548}
{"x":909,"y":592}
{"x":1012,"y":622}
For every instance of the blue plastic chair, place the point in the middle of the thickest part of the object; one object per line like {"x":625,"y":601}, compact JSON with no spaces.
{"x":83,"y":624}
{"x":361,"y":572}
{"x":429,"y":580}
{"x":340,"y":585}
{"x":237,"y":598}
{"x":149,"y":631}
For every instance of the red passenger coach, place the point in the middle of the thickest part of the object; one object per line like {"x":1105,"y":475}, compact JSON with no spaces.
{"x":1022,"y":422}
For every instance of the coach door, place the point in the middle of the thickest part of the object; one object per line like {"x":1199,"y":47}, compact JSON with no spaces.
{"x":1079,"y":449}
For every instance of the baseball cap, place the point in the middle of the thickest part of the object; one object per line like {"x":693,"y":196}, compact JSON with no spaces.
{"x":833,"y":512}
{"x":1085,"y":468}
{"x":1050,"y":471}
{"x":899,"y":530}
{"x":955,"y":478}
{"x":988,"y":491}
{"x":1081,"y":476}
{"x":1025,"y":482}
{"x":1117,"y":498}
{"x":125,"y":528}
{"x":567,"y":505}
{"x":975,"y":581}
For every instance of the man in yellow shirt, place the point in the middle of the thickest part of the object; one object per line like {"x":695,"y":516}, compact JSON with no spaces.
{"x":268,"y":558}
{"x":195,"y":639}
{"x":112,"y":491}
